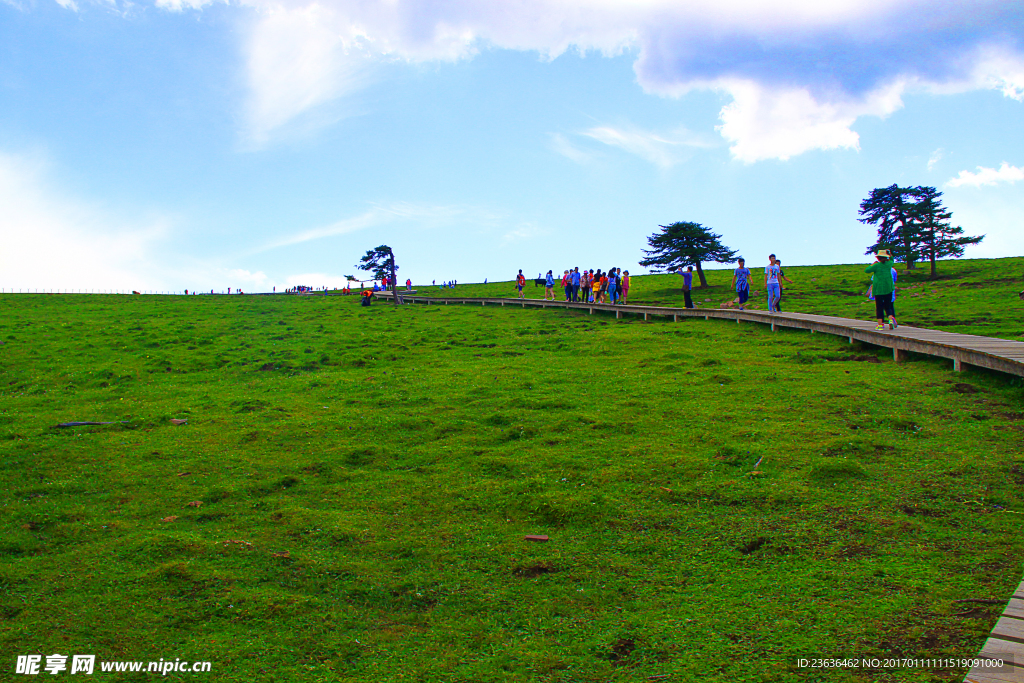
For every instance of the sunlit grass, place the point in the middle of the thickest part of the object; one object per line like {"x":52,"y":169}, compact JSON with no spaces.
{"x":367,"y":477}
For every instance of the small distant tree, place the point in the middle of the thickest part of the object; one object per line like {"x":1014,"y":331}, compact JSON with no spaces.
{"x":685,"y":244}
{"x":935,"y":232}
{"x":381,"y":262}
{"x":891,"y":210}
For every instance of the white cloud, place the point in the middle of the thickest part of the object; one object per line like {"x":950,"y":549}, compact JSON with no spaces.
{"x":936,"y":157}
{"x":800,"y":72}
{"x":53,"y":240}
{"x":997,"y":67}
{"x":763,"y":123}
{"x":987,"y":176}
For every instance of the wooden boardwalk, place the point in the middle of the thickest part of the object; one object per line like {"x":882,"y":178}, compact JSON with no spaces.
{"x":1007,"y":643}
{"x":1004,"y":355}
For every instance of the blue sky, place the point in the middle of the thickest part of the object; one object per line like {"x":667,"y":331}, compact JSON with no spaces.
{"x":262,"y":143}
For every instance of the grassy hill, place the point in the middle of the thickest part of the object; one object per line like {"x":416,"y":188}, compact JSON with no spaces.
{"x":350,"y":496}
{"x":974,"y":296}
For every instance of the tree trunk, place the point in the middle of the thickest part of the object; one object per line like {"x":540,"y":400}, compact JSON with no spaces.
{"x":394,"y":293}
{"x":700,"y":276}
{"x":910,"y":253}
{"x":905,"y":235}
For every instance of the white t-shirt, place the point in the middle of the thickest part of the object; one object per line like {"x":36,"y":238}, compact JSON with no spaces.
{"x":773,"y":274}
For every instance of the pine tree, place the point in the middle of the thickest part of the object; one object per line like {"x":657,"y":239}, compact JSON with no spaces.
{"x":892,"y":210}
{"x":937,"y":236}
{"x":685,"y":244}
{"x":381,"y":262}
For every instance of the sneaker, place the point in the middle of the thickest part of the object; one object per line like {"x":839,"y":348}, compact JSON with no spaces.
{"x":892,"y":323}
{"x":879,"y":327}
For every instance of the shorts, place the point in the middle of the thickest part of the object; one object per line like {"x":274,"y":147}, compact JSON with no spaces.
{"x":744,"y":294}
{"x":519,"y":287}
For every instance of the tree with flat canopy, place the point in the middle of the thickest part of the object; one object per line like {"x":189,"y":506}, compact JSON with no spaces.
{"x":936,"y":233}
{"x":891,"y":210}
{"x":913,"y":224}
{"x":684,"y":244}
{"x":381,"y":262}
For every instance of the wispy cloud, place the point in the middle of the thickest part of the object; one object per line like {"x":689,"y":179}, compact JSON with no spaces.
{"x":401,"y":212}
{"x":297,"y":62}
{"x":664,"y":151}
{"x":523,"y":231}
{"x":987,"y":176}
{"x":935,"y":158}
{"x":561,"y":145}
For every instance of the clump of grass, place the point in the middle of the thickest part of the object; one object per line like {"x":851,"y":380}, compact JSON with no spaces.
{"x":836,"y":471}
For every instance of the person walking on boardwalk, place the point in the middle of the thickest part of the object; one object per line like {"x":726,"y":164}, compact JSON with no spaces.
{"x":520,"y":283}
{"x":613,"y":286}
{"x":782,"y":276}
{"x":883,"y":288}
{"x":549,"y":286}
{"x":687,"y":285}
{"x":741,"y":282}
{"x":575,"y":284}
{"x":625,"y":286}
{"x":895,"y":278}
{"x":771,"y":283}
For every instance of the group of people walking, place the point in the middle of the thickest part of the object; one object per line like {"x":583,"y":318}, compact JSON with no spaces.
{"x":586,"y":286}
{"x":612,"y":286}
{"x":773,"y":277}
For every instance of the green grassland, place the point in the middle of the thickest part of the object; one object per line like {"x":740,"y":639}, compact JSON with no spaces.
{"x":973,"y":296}
{"x":367,"y":476}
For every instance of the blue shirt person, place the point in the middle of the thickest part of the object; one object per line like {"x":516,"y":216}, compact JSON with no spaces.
{"x":741,"y":282}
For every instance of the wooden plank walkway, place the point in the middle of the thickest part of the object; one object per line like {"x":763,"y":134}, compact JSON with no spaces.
{"x":1007,"y":643}
{"x":1004,"y":355}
